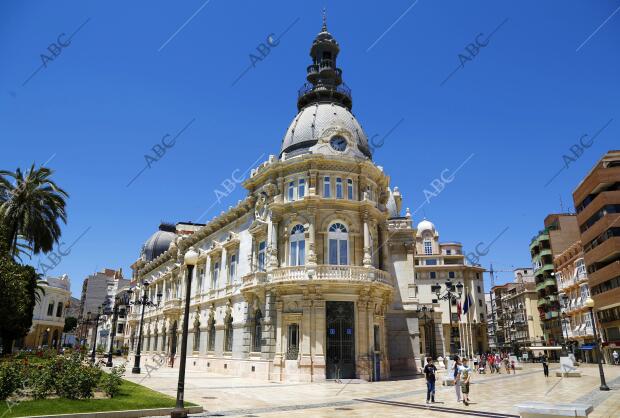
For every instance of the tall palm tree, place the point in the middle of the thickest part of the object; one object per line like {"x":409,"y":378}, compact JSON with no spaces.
{"x":30,"y":207}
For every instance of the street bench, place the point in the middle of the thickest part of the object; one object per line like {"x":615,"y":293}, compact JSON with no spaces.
{"x":550,"y":410}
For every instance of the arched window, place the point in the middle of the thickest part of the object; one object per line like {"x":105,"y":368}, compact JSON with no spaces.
{"x":338,"y":240}
{"x":211,"y":335}
{"x":258,"y":331}
{"x":298,"y":246}
{"x":228,"y":334}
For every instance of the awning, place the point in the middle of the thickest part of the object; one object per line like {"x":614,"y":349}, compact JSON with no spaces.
{"x":542,"y":348}
{"x":587,"y":347}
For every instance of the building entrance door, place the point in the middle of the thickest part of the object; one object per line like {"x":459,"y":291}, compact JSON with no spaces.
{"x":340,"y":324}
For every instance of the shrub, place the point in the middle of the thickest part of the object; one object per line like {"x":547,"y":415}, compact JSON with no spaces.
{"x":76,"y":379}
{"x":42,"y":379}
{"x":11,"y":378}
{"x":111,"y":382}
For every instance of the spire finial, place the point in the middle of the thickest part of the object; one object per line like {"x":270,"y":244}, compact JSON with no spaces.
{"x":324,"y":29}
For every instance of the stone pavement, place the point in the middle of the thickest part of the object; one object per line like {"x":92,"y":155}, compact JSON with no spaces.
{"x":492,"y":395}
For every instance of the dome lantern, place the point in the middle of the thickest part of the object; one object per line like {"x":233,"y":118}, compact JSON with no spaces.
{"x":323,"y":75}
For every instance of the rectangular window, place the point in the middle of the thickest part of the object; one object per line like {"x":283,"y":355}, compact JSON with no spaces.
{"x":428,"y":247}
{"x":478,"y":287}
{"x":327,"y":187}
{"x":343,"y":252}
{"x":215,"y":274}
{"x":431,"y":262}
{"x":448,"y":252}
{"x":120,"y":329}
{"x":232,"y":268}
{"x":481,"y":317}
{"x":261,"y":256}
{"x":291,"y":191}
{"x":433,"y":275}
{"x":292,"y":349}
{"x":479,"y":302}
{"x":350,"y":189}
{"x":50,"y":309}
{"x":301,"y":188}
{"x":59,"y":310}
{"x":339,"y":193}
{"x":451,"y":274}
{"x":333,"y":251}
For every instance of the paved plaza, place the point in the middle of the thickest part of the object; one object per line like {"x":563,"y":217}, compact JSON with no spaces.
{"x":492,"y":395}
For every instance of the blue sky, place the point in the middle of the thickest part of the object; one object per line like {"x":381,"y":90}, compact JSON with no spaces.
{"x":139,"y":72}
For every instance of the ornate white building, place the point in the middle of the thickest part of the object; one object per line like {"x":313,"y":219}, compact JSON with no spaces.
{"x":311,"y":276}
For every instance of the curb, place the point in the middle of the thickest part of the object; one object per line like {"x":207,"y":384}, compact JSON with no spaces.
{"x":133,"y":413}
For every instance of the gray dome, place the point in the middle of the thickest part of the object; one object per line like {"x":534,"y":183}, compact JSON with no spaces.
{"x":158,"y":243}
{"x":312,"y":123}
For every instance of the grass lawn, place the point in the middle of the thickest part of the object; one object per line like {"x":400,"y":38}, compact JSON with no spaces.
{"x":132,"y":396}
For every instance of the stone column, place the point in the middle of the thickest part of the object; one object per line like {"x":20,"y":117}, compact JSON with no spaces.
{"x":318,"y":353}
{"x":363,"y":363}
{"x":311,"y":250}
{"x":367,"y":260}
{"x":248,"y":314}
{"x":273,"y":244}
{"x":305,"y":362}
{"x":269,"y":323}
{"x":278,"y":359}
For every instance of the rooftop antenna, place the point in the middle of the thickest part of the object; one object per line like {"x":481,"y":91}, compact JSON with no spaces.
{"x":561,"y":204}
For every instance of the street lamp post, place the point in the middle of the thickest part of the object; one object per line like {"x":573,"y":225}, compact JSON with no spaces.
{"x":89,"y":320}
{"x":590,"y":305}
{"x":144,"y":300}
{"x":427,"y":315}
{"x":179,"y":411}
{"x":565,"y":328}
{"x":450,"y":296}
{"x":191,"y":258}
{"x":124,"y":300}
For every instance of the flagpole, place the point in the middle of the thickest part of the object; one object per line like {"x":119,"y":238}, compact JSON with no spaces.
{"x":471,"y":335}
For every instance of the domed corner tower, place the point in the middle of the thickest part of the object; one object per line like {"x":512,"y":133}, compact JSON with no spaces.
{"x":325,"y":124}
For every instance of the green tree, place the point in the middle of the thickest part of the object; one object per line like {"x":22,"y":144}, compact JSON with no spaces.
{"x":18,"y":286}
{"x":30,"y":207}
{"x":70,"y":324}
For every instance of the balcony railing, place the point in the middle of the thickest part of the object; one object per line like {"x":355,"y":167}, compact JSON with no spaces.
{"x":330,"y":272}
{"x":307,"y":87}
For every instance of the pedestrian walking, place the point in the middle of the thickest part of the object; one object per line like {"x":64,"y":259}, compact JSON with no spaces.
{"x":543,"y":360}
{"x":465,"y":376}
{"x":616,"y":357}
{"x":457,"y":381}
{"x":513,"y":367}
{"x":429,"y":372}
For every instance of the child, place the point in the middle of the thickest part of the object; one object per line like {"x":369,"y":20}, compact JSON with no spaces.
{"x":465,"y":377}
{"x":429,"y":372}
{"x":457,"y":378}
{"x":513,"y":367}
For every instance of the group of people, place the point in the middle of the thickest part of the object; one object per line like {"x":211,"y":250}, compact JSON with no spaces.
{"x":495,"y":362}
{"x":462,"y":376}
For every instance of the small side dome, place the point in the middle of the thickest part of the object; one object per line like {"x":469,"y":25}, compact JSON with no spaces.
{"x":426,"y":225}
{"x":159,"y":242}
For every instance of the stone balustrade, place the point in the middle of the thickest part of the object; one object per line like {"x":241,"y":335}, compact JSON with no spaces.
{"x":330,"y":272}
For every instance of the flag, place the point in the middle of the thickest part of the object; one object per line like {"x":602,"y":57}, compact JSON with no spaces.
{"x":458,"y":310}
{"x":466,"y":304}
